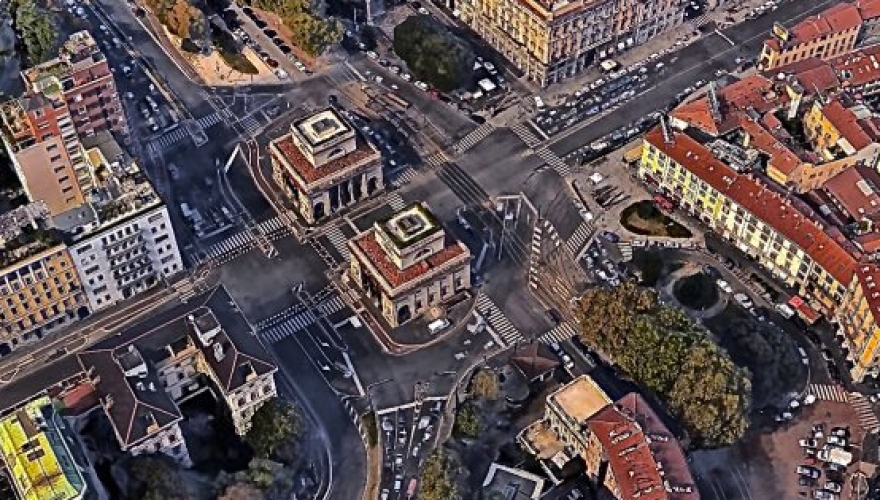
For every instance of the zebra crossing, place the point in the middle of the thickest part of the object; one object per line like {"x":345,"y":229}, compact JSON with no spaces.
{"x":339,"y":241}
{"x":302,"y":319}
{"x":496,"y":319}
{"x":580,"y":237}
{"x":209,"y":121}
{"x":864,"y":412}
{"x":230,"y":248}
{"x":828,"y":392}
{"x":395,"y":201}
{"x":436,"y":160}
{"x":555,"y":162}
{"x":250,"y":124}
{"x":626,"y":250}
{"x":332,"y":305}
{"x":562,"y":331}
{"x":701,"y":21}
{"x":525,"y":132}
{"x":170,"y":139}
{"x":474,"y":137}
{"x":274,"y":228}
{"x":402,"y":176}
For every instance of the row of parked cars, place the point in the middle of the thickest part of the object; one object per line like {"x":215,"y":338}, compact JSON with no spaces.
{"x":833,"y":457}
{"x":274,"y":37}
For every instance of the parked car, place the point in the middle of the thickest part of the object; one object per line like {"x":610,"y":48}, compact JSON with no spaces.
{"x":808,"y":443}
{"x":724,"y":286}
{"x":806,"y":470}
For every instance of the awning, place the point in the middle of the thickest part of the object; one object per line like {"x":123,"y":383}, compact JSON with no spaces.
{"x":806,"y":312}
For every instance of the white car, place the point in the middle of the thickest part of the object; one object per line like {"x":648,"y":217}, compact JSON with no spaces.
{"x":423,"y":11}
{"x":372,"y":55}
{"x":743,"y":300}
{"x":724,"y":286}
{"x":406,"y":77}
{"x":421,"y":85}
{"x":489,"y":66}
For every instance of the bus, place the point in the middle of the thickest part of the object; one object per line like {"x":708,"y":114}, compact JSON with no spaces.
{"x":396,"y":99}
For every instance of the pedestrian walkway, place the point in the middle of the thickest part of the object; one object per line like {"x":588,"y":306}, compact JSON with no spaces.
{"x":395,"y":201}
{"x":535,"y":255}
{"x":474,"y":137}
{"x":700,"y":21}
{"x":402,"y":176}
{"x":626,"y":250}
{"x":290,"y":326}
{"x":526,"y":133}
{"x":828,"y":392}
{"x":164,"y":142}
{"x":864,"y":411}
{"x":250,"y":124}
{"x":332,"y":305}
{"x":580,"y":237}
{"x":555,"y":162}
{"x":496,"y":319}
{"x":562,"y":331}
{"x":339,"y":241}
{"x":231,"y":247}
{"x":209,"y":121}
{"x":435,"y":160}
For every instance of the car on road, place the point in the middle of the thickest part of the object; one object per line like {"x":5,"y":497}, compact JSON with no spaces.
{"x":724,"y":286}
{"x":806,"y":470}
{"x":460,"y":356}
{"x":406,"y":77}
{"x":421,"y":85}
{"x":743,"y":300}
{"x":387,"y":426}
{"x":372,"y":55}
{"x":423,"y":11}
{"x":384,"y":495}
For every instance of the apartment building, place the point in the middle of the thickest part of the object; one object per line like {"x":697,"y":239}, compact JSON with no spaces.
{"x":80,"y":77}
{"x":35,"y":450}
{"x":42,"y":143}
{"x":407,"y":263}
{"x":325,"y":165}
{"x":39,"y":286}
{"x":142,"y":374}
{"x":810,"y":220}
{"x":551,"y":41}
{"x":830,"y":33}
{"x":122,"y":240}
{"x":628,"y":453}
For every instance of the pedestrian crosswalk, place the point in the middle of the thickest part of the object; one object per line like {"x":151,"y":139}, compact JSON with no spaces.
{"x":269,"y":226}
{"x":250,"y":124}
{"x":435,"y":160}
{"x":474,"y":137}
{"x":864,"y":412}
{"x":626,"y":250}
{"x":496,"y":319}
{"x":828,"y":392}
{"x":209,"y":121}
{"x":332,"y":305}
{"x":562,"y":331}
{"x":164,"y":142}
{"x":526,"y":133}
{"x":301,"y":318}
{"x":230,"y":248}
{"x":402,"y":176}
{"x":395,"y":201}
{"x":339,"y":242}
{"x":555,"y":162}
{"x":701,"y":21}
{"x":580,"y":237}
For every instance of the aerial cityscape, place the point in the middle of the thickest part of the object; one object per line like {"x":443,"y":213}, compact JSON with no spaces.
{"x":448,"y":250}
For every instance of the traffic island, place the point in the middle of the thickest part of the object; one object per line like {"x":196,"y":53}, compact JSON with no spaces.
{"x":645,"y":219}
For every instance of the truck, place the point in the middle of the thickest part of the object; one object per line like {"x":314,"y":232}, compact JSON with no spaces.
{"x":835,"y":455}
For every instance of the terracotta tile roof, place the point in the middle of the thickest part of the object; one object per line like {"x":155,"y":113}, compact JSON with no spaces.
{"x":869,"y":242}
{"x":635,"y":442}
{"x":394,"y":276}
{"x":698,"y":114}
{"x":845,"y":121}
{"x":307,"y":171}
{"x":793,"y":220}
{"x":781,"y":157}
{"x":754,"y":91}
{"x":869,"y":9}
{"x":813,"y":75}
{"x":856,"y":190}
{"x":858,"y":67}
{"x":835,"y":19}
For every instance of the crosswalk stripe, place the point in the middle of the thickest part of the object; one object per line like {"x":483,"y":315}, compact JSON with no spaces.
{"x":580,"y":237}
{"x":251,"y":124}
{"x":828,"y":392}
{"x":864,"y":411}
{"x":701,"y":20}
{"x":395,"y":201}
{"x":524,"y":132}
{"x":555,"y":162}
{"x":403,"y":176}
{"x":497,"y":320}
{"x":169,"y":139}
{"x":626,"y":250}
{"x":339,"y":241}
{"x":209,"y":121}
{"x":302,"y":318}
{"x":435,"y":160}
{"x":562,"y":331}
{"x":474,"y":137}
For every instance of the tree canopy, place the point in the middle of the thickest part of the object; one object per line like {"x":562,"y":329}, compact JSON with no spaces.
{"x":484,"y":384}
{"x":662,"y":349}
{"x":433,"y":53}
{"x":467,"y":421}
{"x":156,"y":478}
{"x":309,"y":32}
{"x":34,"y":26}
{"x":438,"y":477}
{"x":275,"y":423}
{"x":182,"y":18}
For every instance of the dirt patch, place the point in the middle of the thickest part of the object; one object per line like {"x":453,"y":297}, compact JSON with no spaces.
{"x":645,"y":219}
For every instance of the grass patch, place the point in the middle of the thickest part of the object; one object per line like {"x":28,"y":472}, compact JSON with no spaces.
{"x":697,"y":291}
{"x":645,"y":219}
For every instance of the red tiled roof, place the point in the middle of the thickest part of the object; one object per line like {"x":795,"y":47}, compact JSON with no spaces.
{"x":847,"y":189}
{"x":835,"y":19}
{"x":781,"y":158}
{"x":813,"y":74}
{"x":307,"y":171}
{"x":754,"y":91}
{"x":869,"y":9}
{"x":395,"y":277}
{"x":697,"y":114}
{"x":846,"y":123}
{"x":635,"y":441}
{"x":858,"y":67}
{"x":778,"y":212}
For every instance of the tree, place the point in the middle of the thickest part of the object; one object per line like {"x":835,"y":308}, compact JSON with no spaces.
{"x":467,"y":421}
{"x":309,"y":32}
{"x":433,"y":53}
{"x":242,"y":491}
{"x":156,"y":478}
{"x":671,"y":356}
{"x":437,"y":478}
{"x":484,"y":384}
{"x":34,"y":25}
{"x":275,"y":423}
